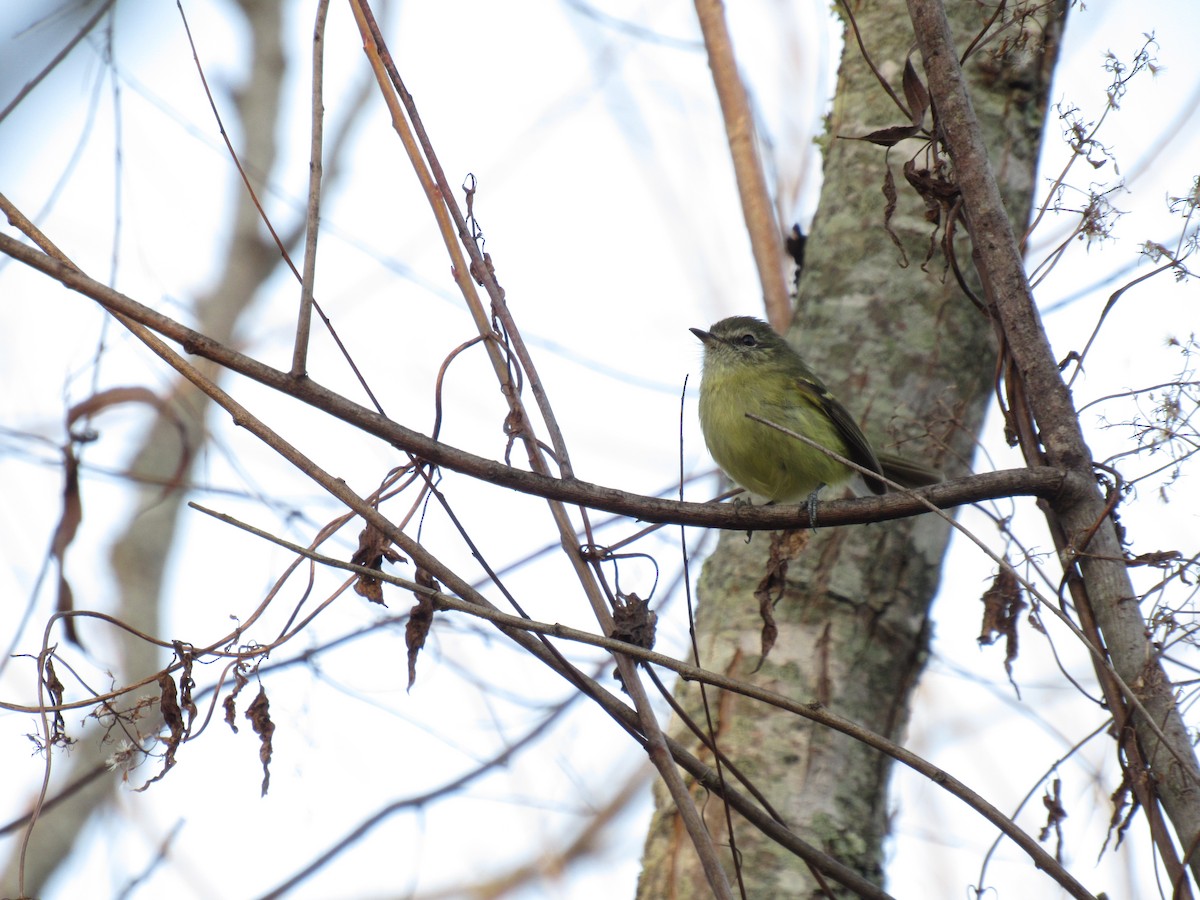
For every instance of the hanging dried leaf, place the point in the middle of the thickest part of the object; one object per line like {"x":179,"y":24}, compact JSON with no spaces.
{"x":373,"y":548}
{"x":54,"y":689}
{"x":1055,"y":813}
{"x":240,"y":680}
{"x":64,"y":533}
{"x":785,"y":546}
{"x":889,"y":194}
{"x":1125,"y":806}
{"x":934,"y":187}
{"x":259,"y":715}
{"x":420,"y":620}
{"x":172,"y":716}
{"x":168,"y":707}
{"x":1002,"y":605}
{"x":187,"y":655}
{"x":634,"y":622}
{"x":915,"y":93}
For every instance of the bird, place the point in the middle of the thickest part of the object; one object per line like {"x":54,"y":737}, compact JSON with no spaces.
{"x":750,"y":369}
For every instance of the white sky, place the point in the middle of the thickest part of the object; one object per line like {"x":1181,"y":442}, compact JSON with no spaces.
{"x":606,"y":198}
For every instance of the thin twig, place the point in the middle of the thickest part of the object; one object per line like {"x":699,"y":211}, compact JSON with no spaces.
{"x":766,"y":238}
{"x":812,"y":711}
{"x":62,"y":54}
{"x":312,"y":218}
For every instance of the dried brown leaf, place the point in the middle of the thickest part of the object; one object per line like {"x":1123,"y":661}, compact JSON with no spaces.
{"x":54,"y":689}
{"x":889,"y":194}
{"x":72,"y":508}
{"x":168,"y":707}
{"x":1125,"y":806}
{"x":259,"y":715}
{"x":240,"y":680}
{"x":420,"y":620}
{"x":1055,"y":813}
{"x":172,"y":716}
{"x":187,"y":656}
{"x":373,"y":548}
{"x":1160,"y":559}
{"x":916,"y":94}
{"x":69,"y":518}
{"x":936,"y":191}
{"x":634,"y":622}
{"x":785,"y":546}
{"x":1002,"y":605}
{"x":890,"y":136}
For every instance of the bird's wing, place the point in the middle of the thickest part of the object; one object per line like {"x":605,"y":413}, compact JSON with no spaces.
{"x":859,"y":448}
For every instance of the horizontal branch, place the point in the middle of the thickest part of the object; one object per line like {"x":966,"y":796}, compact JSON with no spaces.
{"x":1040,"y":482}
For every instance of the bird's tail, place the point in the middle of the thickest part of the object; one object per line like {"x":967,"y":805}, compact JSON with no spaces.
{"x":907,"y":473}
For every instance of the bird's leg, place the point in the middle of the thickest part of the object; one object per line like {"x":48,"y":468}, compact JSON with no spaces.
{"x":739,"y":503}
{"x":812,"y":507}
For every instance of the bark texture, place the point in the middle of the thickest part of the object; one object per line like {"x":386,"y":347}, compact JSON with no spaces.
{"x":909,"y":354}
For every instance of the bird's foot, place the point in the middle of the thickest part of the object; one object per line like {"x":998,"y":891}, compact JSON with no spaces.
{"x":812,"y":507}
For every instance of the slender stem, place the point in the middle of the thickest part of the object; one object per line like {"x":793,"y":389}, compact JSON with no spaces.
{"x":766,"y":238}
{"x":313,"y":217}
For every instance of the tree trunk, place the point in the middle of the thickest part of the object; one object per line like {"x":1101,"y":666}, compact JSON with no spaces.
{"x":912,"y":357}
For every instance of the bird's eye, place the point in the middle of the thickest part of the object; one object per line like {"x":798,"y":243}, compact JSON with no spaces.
{"x":749,"y":340}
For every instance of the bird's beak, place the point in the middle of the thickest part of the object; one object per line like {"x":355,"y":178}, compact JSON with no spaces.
{"x":706,"y":337}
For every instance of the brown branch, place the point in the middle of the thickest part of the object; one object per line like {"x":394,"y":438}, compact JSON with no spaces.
{"x":313,"y":216}
{"x":62,"y":54}
{"x":766,"y":238}
{"x":815,"y":712}
{"x":1042,"y":482}
{"x":521,"y":426}
{"x":1099,"y":561}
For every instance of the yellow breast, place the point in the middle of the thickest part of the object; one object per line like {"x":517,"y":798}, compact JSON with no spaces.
{"x":764,"y":461}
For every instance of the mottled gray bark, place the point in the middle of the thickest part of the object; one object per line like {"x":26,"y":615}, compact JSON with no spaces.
{"x":910,"y":355}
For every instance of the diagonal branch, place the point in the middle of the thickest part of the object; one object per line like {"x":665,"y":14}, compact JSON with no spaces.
{"x":433,"y":180}
{"x":1091,"y":548}
{"x":766,"y":238}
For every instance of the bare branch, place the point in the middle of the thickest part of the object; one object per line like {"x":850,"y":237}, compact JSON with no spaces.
{"x":1088,"y":543}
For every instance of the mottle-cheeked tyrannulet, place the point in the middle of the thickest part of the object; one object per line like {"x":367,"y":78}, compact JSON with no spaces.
{"x":748,"y":368}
